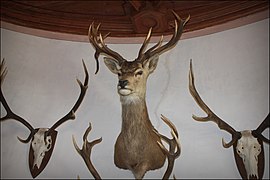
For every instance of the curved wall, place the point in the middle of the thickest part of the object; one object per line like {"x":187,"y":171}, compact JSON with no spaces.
{"x":231,"y":74}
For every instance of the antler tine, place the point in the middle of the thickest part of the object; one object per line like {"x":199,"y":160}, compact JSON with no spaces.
{"x":86,"y":150}
{"x":87,"y":131}
{"x":92,"y":41}
{"x":158,"y":44}
{"x":173,"y":144}
{"x":10,"y":114}
{"x":145,"y":43}
{"x":109,"y":52}
{"x":3,"y":70}
{"x":170,"y":124}
{"x":179,"y":26}
{"x":258,"y":132}
{"x":210,"y":115}
{"x":100,"y":47}
{"x":71,"y":114}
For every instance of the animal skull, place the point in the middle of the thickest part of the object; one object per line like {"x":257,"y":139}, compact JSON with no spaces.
{"x":42,"y":139}
{"x":247,"y":145}
{"x":40,"y":147}
{"x":248,"y":148}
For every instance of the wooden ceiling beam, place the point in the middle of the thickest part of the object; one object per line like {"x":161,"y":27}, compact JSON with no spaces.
{"x":124,"y":18}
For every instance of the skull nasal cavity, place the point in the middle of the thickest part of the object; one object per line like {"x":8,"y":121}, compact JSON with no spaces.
{"x":122,"y":83}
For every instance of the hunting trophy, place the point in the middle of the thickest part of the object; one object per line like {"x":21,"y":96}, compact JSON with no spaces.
{"x":138,"y":147}
{"x":247,"y":145}
{"x":42,"y":139}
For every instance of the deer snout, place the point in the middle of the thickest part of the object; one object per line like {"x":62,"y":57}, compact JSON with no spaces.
{"x":122,"y":83}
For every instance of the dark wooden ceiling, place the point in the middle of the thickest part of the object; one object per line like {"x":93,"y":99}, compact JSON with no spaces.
{"x":124,"y":18}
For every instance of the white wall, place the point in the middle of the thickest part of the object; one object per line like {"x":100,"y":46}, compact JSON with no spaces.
{"x":231,"y":74}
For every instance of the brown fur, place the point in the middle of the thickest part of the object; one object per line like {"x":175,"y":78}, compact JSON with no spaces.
{"x":136,"y":147}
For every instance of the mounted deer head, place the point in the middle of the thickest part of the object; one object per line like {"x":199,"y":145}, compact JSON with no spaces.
{"x":247,"y":144}
{"x":138,"y":146}
{"x":42,"y":139}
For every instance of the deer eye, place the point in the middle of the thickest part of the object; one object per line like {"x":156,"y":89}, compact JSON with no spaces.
{"x":119,"y":74}
{"x":139,"y":73}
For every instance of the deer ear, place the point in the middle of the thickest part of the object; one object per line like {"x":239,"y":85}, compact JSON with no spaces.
{"x":112,"y":65}
{"x":151,"y":63}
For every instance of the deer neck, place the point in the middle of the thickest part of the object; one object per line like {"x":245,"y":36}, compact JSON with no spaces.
{"x":134,"y":114}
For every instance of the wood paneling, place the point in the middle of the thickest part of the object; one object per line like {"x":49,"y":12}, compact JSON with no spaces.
{"x":124,"y":18}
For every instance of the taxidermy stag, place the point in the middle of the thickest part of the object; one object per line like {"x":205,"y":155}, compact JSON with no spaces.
{"x":42,"y":139}
{"x":247,"y":145}
{"x":138,"y":147}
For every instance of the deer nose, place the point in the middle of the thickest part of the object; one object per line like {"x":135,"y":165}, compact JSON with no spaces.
{"x":122,"y":83}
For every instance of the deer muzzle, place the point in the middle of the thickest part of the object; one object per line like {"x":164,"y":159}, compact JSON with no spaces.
{"x":123,"y":89}
{"x":122,"y":83}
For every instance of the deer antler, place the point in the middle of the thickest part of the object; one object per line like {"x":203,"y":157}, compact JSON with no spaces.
{"x":258,"y":132}
{"x":10,"y":114}
{"x":210,"y":115}
{"x":173,"y":143}
{"x":71,"y":114}
{"x":98,"y":42}
{"x":3,"y":71}
{"x":157,"y":49}
{"x":86,"y":150}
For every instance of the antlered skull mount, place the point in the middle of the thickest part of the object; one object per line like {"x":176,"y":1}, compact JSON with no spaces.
{"x":40,"y":146}
{"x":247,"y":145}
{"x":42,"y":139}
{"x":249,"y":156}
